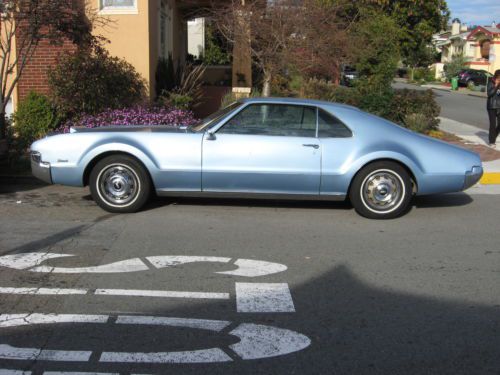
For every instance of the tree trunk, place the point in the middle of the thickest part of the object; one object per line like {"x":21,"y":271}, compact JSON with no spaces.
{"x":3,"y":126}
{"x":266,"y":89}
{"x":4,"y":147}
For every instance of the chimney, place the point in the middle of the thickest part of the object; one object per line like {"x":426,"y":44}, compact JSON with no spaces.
{"x":455,"y":26}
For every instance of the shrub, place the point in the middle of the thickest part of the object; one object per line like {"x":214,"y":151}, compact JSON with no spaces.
{"x":399,"y":106}
{"x":34,"y":118}
{"x":186,"y":89}
{"x":411,"y":102}
{"x":417,"y":122}
{"x":134,"y":116}
{"x":92,"y":81}
{"x":424,"y":74}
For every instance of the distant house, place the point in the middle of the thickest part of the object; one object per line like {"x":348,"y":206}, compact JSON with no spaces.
{"x":485,"y":41}
{"x":480,"y":46}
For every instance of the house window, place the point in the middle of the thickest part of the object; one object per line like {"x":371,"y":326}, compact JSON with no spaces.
{"x":485,"y":49}
{"x":118,"y":6}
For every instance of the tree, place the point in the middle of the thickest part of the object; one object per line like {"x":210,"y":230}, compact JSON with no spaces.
{"x":23,"y":24}
{"x":306,"y":35}
{"x":418,"y":20}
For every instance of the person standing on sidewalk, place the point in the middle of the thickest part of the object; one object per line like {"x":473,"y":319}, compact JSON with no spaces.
{"x":493,"y":107}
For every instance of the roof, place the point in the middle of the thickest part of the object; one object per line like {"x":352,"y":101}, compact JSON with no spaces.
{"x":488,"y":30}
{"x":296,"y":101}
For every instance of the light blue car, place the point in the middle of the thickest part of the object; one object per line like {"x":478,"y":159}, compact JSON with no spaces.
{"x":263,"y":148}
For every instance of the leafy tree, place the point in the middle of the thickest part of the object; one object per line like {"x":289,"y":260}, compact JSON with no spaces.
{"x":417,"y":21}
{"x":215,"y":53}
{"x":377,"y":54}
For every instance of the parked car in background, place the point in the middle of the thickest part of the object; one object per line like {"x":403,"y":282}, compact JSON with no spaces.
{"x":348,"y":76}
{"x":473,"y":77}
{"x":262,"y":148}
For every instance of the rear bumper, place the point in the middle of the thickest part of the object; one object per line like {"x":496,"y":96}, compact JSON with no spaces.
{"x":40,"y":169}
{"x":472,"y":177}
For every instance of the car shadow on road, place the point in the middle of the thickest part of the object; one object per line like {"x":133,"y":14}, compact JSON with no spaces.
{"x":442,"y":200}
{"x":158,"y":202}
{"x":355,"y":327}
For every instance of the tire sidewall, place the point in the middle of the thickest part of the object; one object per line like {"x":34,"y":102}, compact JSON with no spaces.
{"x":143,"y":182}
{"x":356,"y":194}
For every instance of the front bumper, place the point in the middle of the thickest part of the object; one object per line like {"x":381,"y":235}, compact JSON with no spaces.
{"x":472,"y":177}
{"x":39,"y":168}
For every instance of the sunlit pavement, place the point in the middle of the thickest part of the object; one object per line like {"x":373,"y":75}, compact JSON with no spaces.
{"x":251,"y":287}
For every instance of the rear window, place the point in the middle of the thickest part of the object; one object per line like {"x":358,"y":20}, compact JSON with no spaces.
{"x":330,"y":126}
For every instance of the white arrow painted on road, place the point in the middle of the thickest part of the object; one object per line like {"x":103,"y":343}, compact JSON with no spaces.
{"x":256,"y":341}
{"x":246,"y":267}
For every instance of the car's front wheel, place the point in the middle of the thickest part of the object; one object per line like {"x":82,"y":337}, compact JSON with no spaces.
{"x":381,"y":190}
{"x":120,"y":184}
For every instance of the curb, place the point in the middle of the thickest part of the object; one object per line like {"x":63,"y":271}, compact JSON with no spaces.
{"x":490,"y":179}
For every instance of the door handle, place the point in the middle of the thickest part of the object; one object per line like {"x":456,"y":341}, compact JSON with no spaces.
{"x":311,"y":145}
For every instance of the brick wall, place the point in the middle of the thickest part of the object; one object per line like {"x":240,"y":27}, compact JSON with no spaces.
{"x":34,"y":76}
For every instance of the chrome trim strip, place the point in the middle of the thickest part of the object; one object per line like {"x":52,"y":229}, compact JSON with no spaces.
{"x":248,"y":195}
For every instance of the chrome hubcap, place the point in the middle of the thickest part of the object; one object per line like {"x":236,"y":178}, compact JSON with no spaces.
{"x":118,"y":184}
{"x":382,"y":191}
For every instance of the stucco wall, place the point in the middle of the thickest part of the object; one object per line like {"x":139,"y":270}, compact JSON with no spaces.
{"x":128,"y":35}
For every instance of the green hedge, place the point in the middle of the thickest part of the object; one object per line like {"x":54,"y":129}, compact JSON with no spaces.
{"x":34,"y":118}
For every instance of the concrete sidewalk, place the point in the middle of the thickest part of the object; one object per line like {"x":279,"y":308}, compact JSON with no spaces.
{"x":476,"y":139}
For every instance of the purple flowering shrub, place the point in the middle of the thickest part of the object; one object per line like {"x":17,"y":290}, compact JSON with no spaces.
{"x":134,"y":116}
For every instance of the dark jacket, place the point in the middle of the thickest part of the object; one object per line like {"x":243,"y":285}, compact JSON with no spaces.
{"x":493,"y":96}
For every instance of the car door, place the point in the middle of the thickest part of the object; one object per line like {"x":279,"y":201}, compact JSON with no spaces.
{"x":264,"y":148}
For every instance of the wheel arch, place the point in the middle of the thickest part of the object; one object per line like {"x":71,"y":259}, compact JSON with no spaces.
{"x":96,"y":159}
{"x":412,"y":175}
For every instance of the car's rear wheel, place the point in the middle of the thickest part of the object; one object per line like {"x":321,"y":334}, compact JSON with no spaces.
{"x":381,"y":190}
{"x":119,"y":184}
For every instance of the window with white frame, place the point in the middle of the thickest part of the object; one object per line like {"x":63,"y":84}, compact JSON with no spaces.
{"x":118,"y":6}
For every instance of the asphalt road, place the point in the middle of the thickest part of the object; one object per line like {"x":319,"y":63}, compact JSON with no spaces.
{"x":416,"y":295}
{"x":459,"y":107}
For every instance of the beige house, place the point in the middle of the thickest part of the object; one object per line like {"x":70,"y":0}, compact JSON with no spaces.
{"x":485,"y":41}
{"x":140,"y":32}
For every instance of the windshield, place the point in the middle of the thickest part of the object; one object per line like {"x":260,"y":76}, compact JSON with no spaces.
{"x":207,"y":121}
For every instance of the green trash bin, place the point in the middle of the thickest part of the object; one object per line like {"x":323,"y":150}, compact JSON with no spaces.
{"x":454,"y":83}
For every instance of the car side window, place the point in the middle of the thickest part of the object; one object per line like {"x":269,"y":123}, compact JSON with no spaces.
{"x":273,"y":119}
{"x":331,"y":127}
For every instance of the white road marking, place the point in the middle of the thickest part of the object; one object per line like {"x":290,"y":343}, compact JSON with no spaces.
{"x":5,"y":371}
{"x":258,"y":341}
{"x":124,"y":266}
{"x":164,"y":261}
{"x":214,"y":355}
{"x":211,"y":325}
{"x":42,"y":291}
{"x":32,"y":261}
{"x":28,"y":260}
{"x":254,"y":268}
{"x":160,"y":293}
{"x":16,"y":320}
{"x":77,"y":373}
{"x":29,"y":354}
{"x":263,"y":298}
